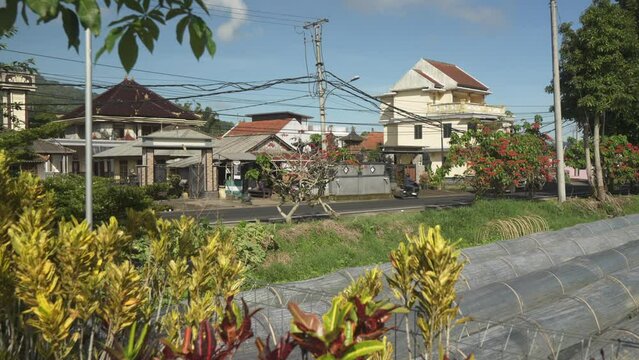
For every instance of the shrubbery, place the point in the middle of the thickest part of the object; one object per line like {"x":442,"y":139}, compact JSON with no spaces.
{"x":70,"y":291}
{"x":252,"y":240}
{"x":109,"y":199}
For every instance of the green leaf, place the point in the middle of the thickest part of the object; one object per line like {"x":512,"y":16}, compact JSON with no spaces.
{"x":173,"y":13}
{"x":210,"y":44}
{"x":141,"y":339}
{"x":71,"y":27}
{"x":333,"y":318}
{"x":128,"y":18}
{"x":128,"y":50}
{"x":89,"y":13}
{"x":362,"y":349}
{"x":131,"y":343}
{"x":196,"y":38}
{"x":180,"y":27}
{"x":44,"y":8}
{"x":110,"y":41}
{"x":134,"y":5}
{"x":203,"y":6}
{"x":8,"y":15}
{"x":151,"y":27}
{"x":147,"y":39}
{"x":157,"y":15}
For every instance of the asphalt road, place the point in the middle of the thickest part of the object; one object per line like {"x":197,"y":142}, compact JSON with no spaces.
{"x":269,"y":213}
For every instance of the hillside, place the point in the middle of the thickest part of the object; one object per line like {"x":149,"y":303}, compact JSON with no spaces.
{"x":51,"y":99}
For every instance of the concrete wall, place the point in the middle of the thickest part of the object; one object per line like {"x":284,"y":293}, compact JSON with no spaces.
{"x":366,"y":179}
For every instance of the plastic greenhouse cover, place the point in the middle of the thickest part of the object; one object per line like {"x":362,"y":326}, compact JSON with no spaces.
{"x":565,"y":322}
{"x":523,"y":277}
{"x":500,"y":301}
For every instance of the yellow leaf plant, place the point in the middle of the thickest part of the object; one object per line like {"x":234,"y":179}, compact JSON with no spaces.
{"x":426,"y":269}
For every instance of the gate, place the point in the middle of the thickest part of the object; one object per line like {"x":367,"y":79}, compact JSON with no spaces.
{"x":159,"y":173}
{"x":197,"y":180}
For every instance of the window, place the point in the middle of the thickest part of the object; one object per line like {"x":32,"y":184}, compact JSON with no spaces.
{"x":418,"y":131}
{"x":118,"y":132}
{"x":448,"y":130}
{"x":472,"y":126}
{"x":124,"y":169}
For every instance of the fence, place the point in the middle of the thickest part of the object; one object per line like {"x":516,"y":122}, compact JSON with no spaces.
{"x":363,"y":179}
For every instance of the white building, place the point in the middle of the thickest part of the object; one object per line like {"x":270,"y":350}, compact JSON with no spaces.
{"x":291,"y":127}
{"x":14,"y":88}
{"x":446,"y":99}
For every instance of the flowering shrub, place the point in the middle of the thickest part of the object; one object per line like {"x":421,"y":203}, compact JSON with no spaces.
{"x":619,"y":159}
{"x":497,"y":159}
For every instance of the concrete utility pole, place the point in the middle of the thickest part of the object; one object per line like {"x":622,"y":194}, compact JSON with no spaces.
{"x":559,"y":142}
{"x":88,"y":127}
{"x":319,"y":63}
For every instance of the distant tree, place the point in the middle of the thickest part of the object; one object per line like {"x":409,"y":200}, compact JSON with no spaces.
{"x":299,"y":177}
{"x":599,"y":71}
{"x":214,"y":126}
{"x":50,"y":100}
{"x":140,"y":21}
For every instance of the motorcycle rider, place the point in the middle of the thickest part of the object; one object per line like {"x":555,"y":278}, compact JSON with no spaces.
{"x":410,"y":186}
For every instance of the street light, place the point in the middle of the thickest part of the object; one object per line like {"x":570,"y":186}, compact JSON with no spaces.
{"x":323,"y":96}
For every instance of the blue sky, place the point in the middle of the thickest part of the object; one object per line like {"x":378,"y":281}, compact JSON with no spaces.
{"x":503,"y":43}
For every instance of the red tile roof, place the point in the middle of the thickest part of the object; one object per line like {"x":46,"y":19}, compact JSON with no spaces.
{"x":372,"y":140}
{"x":258,"y":127}
{"x":462,"y":78}
{"x":437,"y":84}
{"x":130,"y":99}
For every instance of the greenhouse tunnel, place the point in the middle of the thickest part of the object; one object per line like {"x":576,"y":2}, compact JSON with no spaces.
{"x":559,"y":294}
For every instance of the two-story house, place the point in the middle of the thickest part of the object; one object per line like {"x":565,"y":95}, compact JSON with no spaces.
{"x":124,"y":113}
{"x":445,"y":99}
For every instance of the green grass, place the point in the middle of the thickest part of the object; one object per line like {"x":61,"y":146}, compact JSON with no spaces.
{"x":312,"y":249}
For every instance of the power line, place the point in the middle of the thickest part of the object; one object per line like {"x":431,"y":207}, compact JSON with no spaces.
{"x":262,"y":12}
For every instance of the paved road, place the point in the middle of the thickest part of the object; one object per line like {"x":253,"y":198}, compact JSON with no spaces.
{"x":269,"y":213}
{"x":266,"y":213}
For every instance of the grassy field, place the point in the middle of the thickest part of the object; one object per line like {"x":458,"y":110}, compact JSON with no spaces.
{"x":312,"y":249}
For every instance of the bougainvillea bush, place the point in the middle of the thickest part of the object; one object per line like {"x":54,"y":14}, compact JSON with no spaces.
{"x":496,"y":159}
{"x":619,"y":159}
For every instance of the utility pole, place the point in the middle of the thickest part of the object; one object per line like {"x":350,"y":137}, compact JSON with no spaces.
{"x":88,"y":127}
{"x":316,"y":26}
{"x":559,"y":142}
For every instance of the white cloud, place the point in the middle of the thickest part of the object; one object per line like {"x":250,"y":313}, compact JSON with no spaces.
{"x":463,"y":9}
{"x":235,"y":10}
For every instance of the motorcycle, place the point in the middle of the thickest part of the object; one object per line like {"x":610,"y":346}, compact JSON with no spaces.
{"x":404,"y":193}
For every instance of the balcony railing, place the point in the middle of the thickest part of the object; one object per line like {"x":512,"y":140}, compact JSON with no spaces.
{"x":465,"y":108}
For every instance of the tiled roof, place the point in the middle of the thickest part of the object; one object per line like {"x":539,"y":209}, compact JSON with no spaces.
{"x":462,"y":78}
{"x":177,"y":133}
{"x":352,"y":136}
{"x":46,"y":147}
{"x":372,"y":140}
{"x":264,"y":127}
{"x":130,"y":99}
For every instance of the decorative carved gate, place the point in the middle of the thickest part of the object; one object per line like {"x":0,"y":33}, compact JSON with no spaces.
{"x":197,"y":180}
